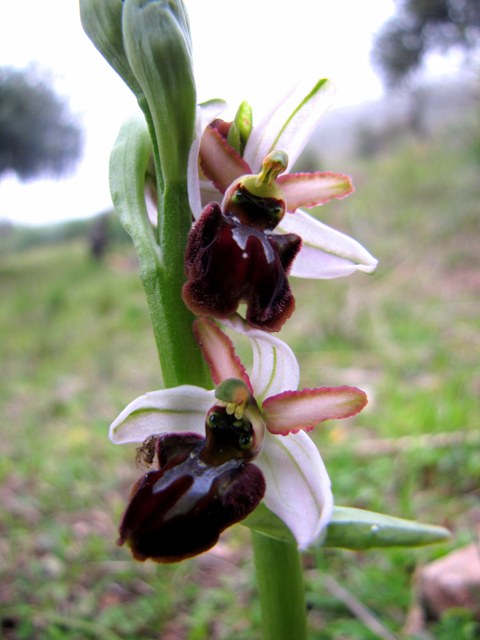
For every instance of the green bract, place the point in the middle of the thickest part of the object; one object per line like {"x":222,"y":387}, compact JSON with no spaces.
{"x":178,"y":351}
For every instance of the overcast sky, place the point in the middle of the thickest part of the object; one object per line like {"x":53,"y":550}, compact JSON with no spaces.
{"x":250,"y":50}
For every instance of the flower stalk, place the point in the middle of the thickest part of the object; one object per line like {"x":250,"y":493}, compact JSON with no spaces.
{"x":280,"y":588}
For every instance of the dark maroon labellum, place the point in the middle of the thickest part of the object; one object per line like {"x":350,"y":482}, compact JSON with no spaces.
{"x":227,"y":262}
{"x":179,"y":510}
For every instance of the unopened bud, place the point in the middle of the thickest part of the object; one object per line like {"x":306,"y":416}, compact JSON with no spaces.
{"x":241,"y":128}
{"x":102,"y":22}
{"x":158,"y":47}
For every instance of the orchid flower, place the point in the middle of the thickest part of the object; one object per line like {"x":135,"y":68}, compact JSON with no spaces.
{"x":325,"y":253}
{"x":253,"y":234}
{"x":272,"y":456}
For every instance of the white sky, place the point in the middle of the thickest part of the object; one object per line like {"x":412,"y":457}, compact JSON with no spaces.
{"x":253,"y":50}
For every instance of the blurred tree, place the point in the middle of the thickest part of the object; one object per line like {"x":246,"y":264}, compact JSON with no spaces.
{"x":420,"y":26}
{"x":38,"y":134}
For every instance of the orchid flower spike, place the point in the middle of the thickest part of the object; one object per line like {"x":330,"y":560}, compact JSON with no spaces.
{"x":220,"y":451}
{"x":252,"y":233}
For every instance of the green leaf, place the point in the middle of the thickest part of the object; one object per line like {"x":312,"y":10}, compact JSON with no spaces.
{"x":128,"y":168}
{"x":358,"y":529}
{"x":162,"y":277}
{"x":262,"y":520}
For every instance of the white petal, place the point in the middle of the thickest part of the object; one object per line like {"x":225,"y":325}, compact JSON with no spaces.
{"x":192,"y":172}
{"x":151,"y":204}
{"x":325,"y":253}
{"x":205,"y":114}
{"x":177,"y":409}
{"x":209,"y":193}
{"x":275,"y":368}
{"x":290,"y":124}
{"x":298,"y":486}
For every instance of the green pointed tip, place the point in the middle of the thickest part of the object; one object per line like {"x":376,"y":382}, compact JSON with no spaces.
{"x":358,"y":529}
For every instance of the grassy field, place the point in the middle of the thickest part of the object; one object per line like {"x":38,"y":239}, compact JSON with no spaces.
{"x":77,"y":346}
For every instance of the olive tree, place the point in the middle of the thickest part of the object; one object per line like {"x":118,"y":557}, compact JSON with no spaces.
{"x":38,"y":134}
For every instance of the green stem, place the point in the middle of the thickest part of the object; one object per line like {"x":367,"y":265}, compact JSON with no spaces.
{"x":280,"y":587}
{"x":180,"y":357}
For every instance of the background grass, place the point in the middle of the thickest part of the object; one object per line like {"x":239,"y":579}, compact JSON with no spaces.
{"x":77,"y":346}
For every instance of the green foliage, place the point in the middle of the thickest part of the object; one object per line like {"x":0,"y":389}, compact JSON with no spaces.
{"x":38,"y":134}
{"x":77,"y":346}
{"x":458,"y":624}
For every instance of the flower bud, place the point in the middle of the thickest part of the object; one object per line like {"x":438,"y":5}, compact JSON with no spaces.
{"x":158,"y":47}
{"x":240,"y":128}
{"x":102,"y":22}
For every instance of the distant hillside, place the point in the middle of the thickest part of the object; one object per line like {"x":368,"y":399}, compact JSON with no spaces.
{"x":14,"y":237}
